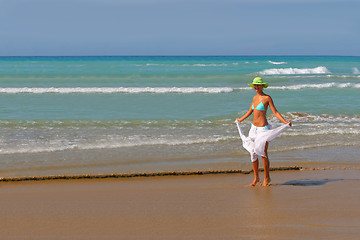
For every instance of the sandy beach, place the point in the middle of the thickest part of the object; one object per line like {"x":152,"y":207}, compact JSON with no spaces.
{"x":306,"y":204}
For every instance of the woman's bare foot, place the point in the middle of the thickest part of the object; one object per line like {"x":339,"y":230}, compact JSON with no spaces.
{"x":256,"y":180}
{"x":266,"y":182}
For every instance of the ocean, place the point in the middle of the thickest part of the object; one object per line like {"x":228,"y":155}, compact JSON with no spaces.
{"x":100,"y":115}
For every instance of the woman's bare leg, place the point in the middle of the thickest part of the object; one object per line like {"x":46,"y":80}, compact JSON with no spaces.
{"x":256,"y":172}
{"x":266,"y":163}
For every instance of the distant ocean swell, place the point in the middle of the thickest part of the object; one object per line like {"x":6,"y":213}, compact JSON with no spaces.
{"x":206,"y":64}
{"x":162,"y":90}
{"x":319,"y":70}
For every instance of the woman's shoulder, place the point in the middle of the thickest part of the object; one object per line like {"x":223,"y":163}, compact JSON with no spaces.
{"x":267,"y":97}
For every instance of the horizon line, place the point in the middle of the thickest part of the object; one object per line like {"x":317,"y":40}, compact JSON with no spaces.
{"x":270,"y":55}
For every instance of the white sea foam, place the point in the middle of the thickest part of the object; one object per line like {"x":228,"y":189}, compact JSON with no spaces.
{"x":134,"y":141}
{"x":152,"y":64}
{"x":131,"y":90}
{"x":315,"y":132}
{"x":277,"y":63}
{"x":300,"y":129}
{"x":87,"y":136}
{"x":344,"y":85}
{"x":164,"y":90}
{"x":319,"y":85}
{"x":295,"y":71}
{"x":301,"y":86}
{"x":321,"y":119}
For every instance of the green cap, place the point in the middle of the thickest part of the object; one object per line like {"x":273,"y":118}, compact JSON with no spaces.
{"x":258,"y":81}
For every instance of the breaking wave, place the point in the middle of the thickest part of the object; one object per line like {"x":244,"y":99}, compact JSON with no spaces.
{"x":164,"y":90}
{"x":320,"y":85}
{"x":109,"y":90}
{"x":295,"y":71}
{"x":277,"y":63}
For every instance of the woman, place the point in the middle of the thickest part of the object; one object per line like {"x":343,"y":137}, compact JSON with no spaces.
{"x":260,"y":134}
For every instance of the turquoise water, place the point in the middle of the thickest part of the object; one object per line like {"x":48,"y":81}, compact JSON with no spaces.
{"x":81,"y":114}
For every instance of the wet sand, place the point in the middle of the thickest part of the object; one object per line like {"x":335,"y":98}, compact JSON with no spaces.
{"x":298,"y":205}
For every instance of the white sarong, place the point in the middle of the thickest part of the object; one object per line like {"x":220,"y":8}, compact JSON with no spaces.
{"x":258,"y":136}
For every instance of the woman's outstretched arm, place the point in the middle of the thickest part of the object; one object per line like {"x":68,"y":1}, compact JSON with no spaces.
{"x":276,"y":113}
{"x":246,"y":115}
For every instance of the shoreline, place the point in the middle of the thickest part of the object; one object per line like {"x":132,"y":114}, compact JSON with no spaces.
{"x":116,"y":163}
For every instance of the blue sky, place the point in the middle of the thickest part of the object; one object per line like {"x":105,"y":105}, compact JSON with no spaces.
{"x":179,"y":27}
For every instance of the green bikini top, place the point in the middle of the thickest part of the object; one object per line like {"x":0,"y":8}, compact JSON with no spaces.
{"x":259,"y":107}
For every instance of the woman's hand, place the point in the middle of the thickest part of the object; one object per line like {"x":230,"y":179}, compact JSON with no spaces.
{"x":238,"y":119}
{"x":288,"y":122}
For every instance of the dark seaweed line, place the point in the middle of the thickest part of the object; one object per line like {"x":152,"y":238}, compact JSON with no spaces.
{"x":134,"y":175}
